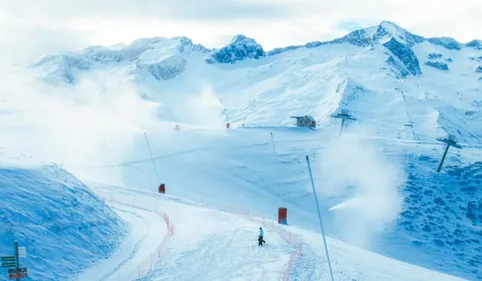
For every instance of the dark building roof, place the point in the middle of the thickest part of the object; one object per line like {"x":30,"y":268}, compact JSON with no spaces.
{"x":306,"y":116}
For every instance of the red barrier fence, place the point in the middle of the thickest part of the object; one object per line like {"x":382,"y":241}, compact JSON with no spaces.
{"x":150,"y":261}
{"x":291,"y":239}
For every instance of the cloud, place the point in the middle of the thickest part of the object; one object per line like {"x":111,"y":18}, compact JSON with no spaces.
{"x":273,"y":23}
{"x":87,"y":124}
{"x":428,"y":18}
{"x":21,"y":43}
{"x":127,"y":9}
{"x":204,"y":108}
{"x":350,"y":25}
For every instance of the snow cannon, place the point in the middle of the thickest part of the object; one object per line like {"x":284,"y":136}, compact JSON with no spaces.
{"x":283,"y":216}
{"x":162,"y":188}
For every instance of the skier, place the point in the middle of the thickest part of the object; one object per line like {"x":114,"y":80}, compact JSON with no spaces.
{"x":260,"y":238}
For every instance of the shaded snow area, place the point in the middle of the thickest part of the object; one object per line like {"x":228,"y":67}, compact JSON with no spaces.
{"x":443,"y":215}
{"x":64,"y":227}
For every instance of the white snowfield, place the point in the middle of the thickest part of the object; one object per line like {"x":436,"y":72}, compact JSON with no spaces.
{"x":377,"y":185}
{"x":210,"y":244}
{"x":235,"y":170}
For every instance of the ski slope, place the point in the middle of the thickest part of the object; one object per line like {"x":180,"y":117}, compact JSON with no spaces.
{"x":146,"y":229}
{"x":211,"y":244}
{"x":236,"y":169}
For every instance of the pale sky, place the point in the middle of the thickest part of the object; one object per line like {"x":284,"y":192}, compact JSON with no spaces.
{"x":39,"y":26}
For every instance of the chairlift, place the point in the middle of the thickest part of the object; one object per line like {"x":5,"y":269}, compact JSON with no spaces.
{"x":409,"y":124}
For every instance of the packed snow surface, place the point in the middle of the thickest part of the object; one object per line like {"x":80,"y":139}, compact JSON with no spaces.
{"x":210,"y":244}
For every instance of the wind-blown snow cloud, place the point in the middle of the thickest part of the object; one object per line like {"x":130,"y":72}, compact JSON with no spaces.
{"x":370,"y":183}
{"x":82,"y":126}
{"x":204,"y":108}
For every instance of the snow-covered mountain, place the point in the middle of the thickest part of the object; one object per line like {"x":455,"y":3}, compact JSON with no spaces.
{"x":400,"y":87}
{"x":160,"y":57}
{"x":386,"y":75}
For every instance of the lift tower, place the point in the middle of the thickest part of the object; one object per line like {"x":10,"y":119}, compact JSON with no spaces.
{"x":344,"y":115}
{"x":450,"y":141}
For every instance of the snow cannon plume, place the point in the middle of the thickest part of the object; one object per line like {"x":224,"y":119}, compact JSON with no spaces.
{"x":356,"y":202}
{"x":357,"y":171}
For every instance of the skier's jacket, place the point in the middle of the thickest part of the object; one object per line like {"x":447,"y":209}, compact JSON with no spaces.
{"x":261,"y":232}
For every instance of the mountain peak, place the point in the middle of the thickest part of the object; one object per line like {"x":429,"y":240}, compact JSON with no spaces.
{"x":387,"y":30}
{"x":240,"y":48}
{"x":381,"y":34}
{"x":241,"y":39}
{"x":477,"y":44}
{"x":391,"y":25}
{"x":392,"y":28}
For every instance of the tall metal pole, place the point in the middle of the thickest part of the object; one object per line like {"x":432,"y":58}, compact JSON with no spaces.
{"x":152,"y":157}
{"x":451,"y":140}
{"x":443,"y":158}
{"x":341,"y":127}
{"x":272,"y":142}
{"x":344,"y":115}
{"x":319,"y":217}
{"x":17,"y":266}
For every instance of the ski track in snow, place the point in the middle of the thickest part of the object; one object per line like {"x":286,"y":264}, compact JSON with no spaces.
{"x":213,"y":245}
{"x":147,"y":229}
{"x":228,"y":255}
{"x":232,"y":255}
{"x":135,"y":247}
{"x":309,"y":266}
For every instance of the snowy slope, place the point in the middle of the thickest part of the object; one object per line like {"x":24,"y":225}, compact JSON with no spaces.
{"x":218,"y":245}
{"x":160,"y":57}
{"x":407,"y":210}
{"x":64,"y":227}
{"x":386,"y":75}
{"x":147,"y":228}
{"x":404,"y":89}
